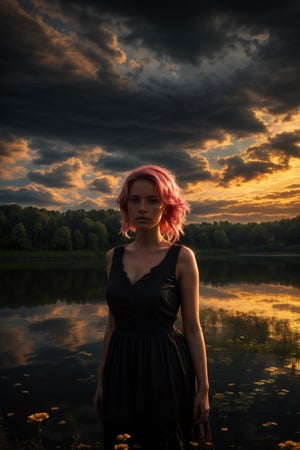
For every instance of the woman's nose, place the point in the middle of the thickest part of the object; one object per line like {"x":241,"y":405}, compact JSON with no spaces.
{"x":142,"y":205}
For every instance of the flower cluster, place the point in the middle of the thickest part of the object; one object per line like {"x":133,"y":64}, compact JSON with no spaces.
{"x":291,"y":445}
{"x":38,"y":417}
{"x":122,"y":438}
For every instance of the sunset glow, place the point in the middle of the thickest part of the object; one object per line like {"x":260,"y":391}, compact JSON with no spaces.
{"x":90,"y":93}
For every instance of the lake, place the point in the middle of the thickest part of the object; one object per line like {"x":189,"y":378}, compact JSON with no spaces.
{"x":52,"y":325}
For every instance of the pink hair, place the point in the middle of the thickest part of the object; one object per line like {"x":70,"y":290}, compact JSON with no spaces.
{"x":176,"y":208}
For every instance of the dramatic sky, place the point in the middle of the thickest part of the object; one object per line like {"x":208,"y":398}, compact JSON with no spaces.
{"x":91,"y":89}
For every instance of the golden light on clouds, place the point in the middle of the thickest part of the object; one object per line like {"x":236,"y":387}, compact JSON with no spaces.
{"x":99,"y":94}
{"x":15,"y":154}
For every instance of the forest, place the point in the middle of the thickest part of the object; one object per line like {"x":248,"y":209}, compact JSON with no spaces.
{"x":32,"y":228}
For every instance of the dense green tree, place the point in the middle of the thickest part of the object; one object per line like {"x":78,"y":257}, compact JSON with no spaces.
{"x":19,"y":239}
{"x":256,"y":236}
{"x":92,"y":241}
{"x":100,"y":229}
{"x":78,"y":240}
{"x":62,"y":239}
{"x":293,"y":231}
{"x":220,"y":240}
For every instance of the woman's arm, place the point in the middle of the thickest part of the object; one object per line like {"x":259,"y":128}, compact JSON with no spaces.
{"x":98,"y":397}
{"x":188,"y":276}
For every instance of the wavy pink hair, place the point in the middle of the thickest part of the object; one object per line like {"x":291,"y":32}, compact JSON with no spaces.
{"x":176,"y":208}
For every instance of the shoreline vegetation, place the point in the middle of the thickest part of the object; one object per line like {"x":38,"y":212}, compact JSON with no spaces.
{"x":35,"y":230}
{"x":10,"y":259}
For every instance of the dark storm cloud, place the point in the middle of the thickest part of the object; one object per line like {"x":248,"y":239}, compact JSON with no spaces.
{"x":257,"y":161}
{"x":49,"y":152}
{"x":29,"y":196}
{"x":63,"y":176}
{"x":59,"y":86}
{"x":8,"y":145}
{"x":102,"y":184}
{"x":235,"y":210}
{"x":190,"y":168}
{"x":102,"y":110}
{"x":284,"y":145}
{"x":237,"y":168}
{"x":191,"y":32}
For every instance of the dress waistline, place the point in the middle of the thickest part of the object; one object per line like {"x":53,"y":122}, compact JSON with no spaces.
{"x":144,"y":329}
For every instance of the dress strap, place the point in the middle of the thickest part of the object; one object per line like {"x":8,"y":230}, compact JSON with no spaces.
{"x":116,"y":263}
{"x":168,"y":265}
{"x":174,"y":252}
{"x":118,"y":251}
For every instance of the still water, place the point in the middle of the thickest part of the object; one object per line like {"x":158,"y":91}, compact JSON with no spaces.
{"x":51,"y":330}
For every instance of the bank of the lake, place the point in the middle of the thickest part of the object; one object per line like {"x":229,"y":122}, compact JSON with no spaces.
{"x":95,"y":259}
{"x":12,"y":259}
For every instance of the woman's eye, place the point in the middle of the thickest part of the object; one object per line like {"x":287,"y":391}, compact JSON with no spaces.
{"x":153,"y":200}
{"x":133,"y":199}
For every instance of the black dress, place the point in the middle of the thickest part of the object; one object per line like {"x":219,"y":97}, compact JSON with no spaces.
{"x":149,"y":380}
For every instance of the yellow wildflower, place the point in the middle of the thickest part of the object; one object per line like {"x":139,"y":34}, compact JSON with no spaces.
{"x":269,"y":424}
{"x":80,"y":446}
{"x":121,"y":447}
{"x":292,"y":445}
{"x":62,"y":422}
{"x":123,"y":437}
{"x":38,"y":417}
{"x":126,"y":436}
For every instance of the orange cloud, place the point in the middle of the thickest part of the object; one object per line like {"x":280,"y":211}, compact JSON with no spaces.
{"x":263,"y":159}
{"x":32,"y":194}
{"x":75,"y":54}
{"x":14,"y":152}
{"x":66,"y":175}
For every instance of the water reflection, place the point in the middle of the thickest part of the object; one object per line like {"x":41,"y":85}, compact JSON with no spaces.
{"x":51,"y":329}
{"x":252,"y":270}
{"x":268,"y":300}
{"x":23,"y":287}
{"x":24,"y":331}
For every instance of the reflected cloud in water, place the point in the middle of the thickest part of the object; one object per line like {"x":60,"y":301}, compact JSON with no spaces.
{"x":267,"y":300}
{"x":62,"y":326}
{"x":57,"y":343}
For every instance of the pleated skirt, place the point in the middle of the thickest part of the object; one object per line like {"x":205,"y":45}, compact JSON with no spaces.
{"x":148,"y":390}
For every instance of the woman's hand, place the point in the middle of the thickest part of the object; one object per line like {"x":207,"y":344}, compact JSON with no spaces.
{"x":201,"y":407}
{"x":98,"y":400}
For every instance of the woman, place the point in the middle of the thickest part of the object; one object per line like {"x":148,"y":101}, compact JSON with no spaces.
{"x":153,"y":381}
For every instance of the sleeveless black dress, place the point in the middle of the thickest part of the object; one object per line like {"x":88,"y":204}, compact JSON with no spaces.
{"x":149,"y":380}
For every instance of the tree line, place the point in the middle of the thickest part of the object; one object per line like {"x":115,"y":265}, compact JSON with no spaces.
{"x":34,"y":228}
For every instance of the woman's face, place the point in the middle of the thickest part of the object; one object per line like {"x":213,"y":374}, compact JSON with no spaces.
{"x":144,"y":206}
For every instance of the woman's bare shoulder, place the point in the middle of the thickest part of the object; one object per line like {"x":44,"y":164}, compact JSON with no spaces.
{"x":109,"y":254}
{"x":186,"y":263}
{"x":186,"y":254}
{"x":108,"y":259}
